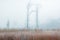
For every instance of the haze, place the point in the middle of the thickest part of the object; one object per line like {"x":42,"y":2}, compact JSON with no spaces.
{"x":16,"y":11}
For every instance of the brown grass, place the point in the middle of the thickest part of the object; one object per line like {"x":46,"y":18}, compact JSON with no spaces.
{"x":29,"y":35}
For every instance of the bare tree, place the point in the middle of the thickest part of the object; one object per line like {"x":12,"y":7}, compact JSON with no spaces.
{"x":30,"y":12}
{"x":8,"y":24}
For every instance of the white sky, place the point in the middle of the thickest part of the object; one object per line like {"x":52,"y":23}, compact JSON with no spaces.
{"x":15,"y":11}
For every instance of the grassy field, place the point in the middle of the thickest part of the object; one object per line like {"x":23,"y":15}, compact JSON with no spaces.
{"x":29,"y":35}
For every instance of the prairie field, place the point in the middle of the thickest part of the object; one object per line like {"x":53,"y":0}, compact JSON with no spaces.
{"x":29,"y":35}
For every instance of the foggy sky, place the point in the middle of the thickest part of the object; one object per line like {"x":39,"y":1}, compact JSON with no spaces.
{"x":16,"y":12}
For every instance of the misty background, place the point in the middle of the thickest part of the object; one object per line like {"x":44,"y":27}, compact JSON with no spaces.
{"x":16,"y":11}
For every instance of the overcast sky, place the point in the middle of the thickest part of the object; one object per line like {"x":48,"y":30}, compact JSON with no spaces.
{"x":16,"y":12}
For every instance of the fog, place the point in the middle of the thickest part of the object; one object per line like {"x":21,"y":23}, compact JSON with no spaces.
{"x":16,"y":12}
